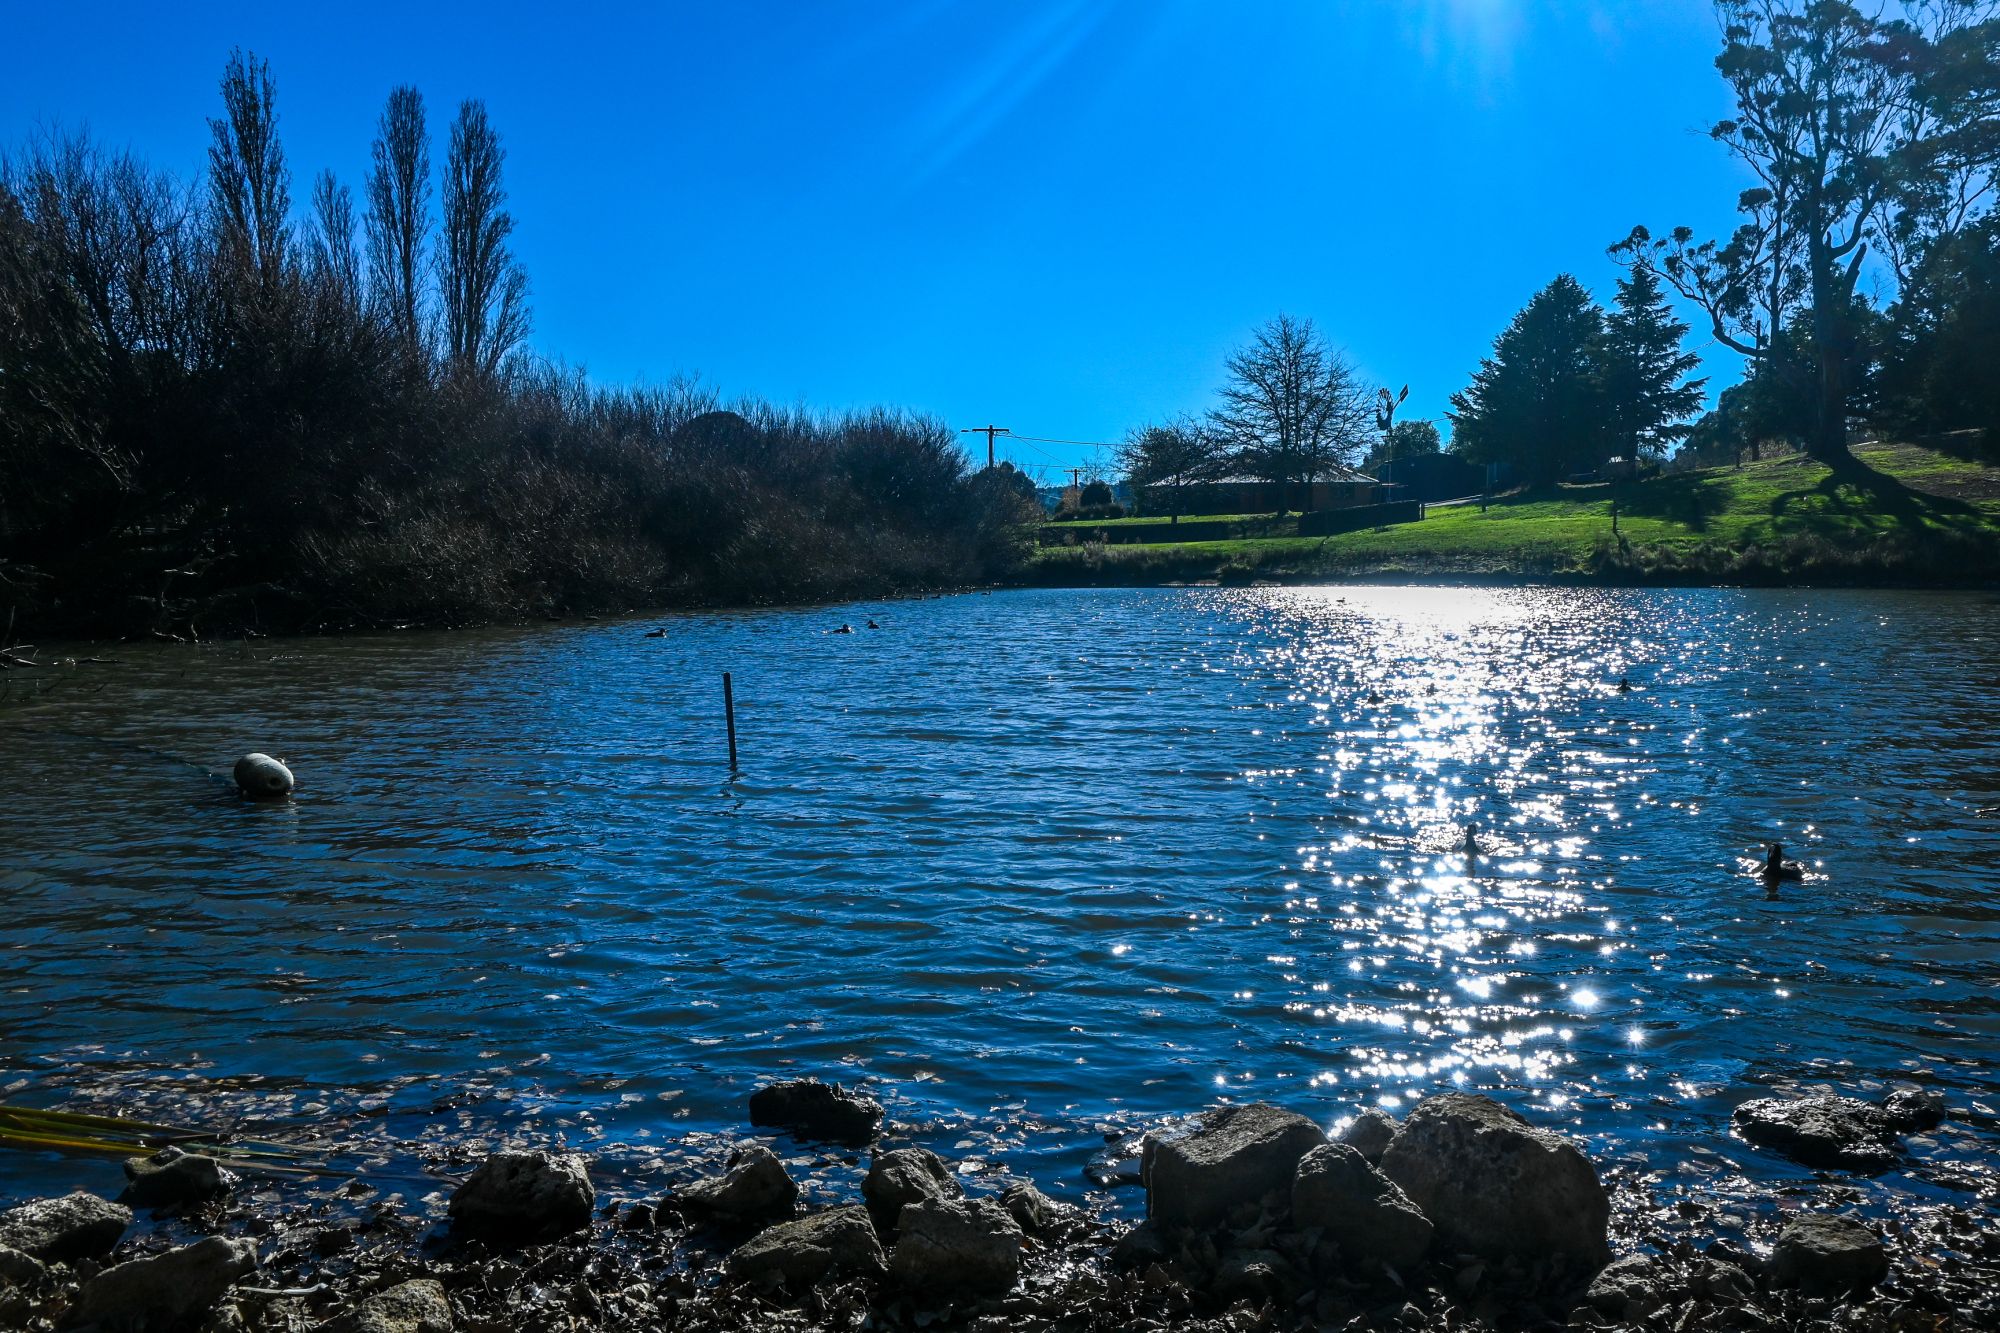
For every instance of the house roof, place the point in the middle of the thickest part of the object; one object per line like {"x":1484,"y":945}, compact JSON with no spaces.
{"x":1336,"y":473}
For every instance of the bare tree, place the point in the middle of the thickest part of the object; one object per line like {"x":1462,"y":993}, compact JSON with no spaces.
{"x":247,"y":173}
{"x":1293,"y":408}
{"x":334,"y":261}
{"x":485,"y":291}
{"x":1170,"y":457}
{"x":399,"y":213}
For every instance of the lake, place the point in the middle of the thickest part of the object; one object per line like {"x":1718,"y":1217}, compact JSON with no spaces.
{"x":1048,"y":862}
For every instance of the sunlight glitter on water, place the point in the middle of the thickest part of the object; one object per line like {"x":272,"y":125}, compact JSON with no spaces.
{"x":1108,"y":854}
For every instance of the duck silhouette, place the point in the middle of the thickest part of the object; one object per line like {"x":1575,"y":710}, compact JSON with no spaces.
{"x":1471,"y":845}
{"x":845,"y":629}
{"x":873,"y":625}
{"x":1624,"y":684}
{"x":1777,"y":868}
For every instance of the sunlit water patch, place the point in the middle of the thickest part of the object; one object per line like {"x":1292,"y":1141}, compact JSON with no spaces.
{"x":1047,"y":862}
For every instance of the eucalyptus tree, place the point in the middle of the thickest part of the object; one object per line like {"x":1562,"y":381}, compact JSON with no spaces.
{"x":1859,"y":127}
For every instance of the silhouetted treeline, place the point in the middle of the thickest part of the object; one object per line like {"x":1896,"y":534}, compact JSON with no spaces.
{"x":214,"y":414}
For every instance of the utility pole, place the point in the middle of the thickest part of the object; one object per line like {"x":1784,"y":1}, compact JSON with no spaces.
{"x":989,"y":432}
{"x":1075,"y":475}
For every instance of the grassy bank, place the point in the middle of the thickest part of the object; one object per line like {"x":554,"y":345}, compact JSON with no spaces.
{"x":1905,"y":515}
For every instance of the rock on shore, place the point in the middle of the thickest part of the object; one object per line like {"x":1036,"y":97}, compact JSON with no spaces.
{"x":956,"y":1244}
{"x":163,"y":1287}
{"x":1497,"y":1186}
{"x":1197,"y":1175}
{"x":525,"y":1196}
{"x":800,"y":1253}
{"x":811,"y":1109}
{"x":76,"y":1226}
{"x":1358,"y":1208}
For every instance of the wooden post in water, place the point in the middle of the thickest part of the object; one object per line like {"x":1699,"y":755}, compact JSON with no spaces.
{"x":729,"y":712}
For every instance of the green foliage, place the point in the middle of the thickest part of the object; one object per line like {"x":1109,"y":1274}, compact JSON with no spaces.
{"x":1648,"y":399}
{"x":1537,"y":402}
{"x":1938,"y":368}
{"x":1406,"y":439}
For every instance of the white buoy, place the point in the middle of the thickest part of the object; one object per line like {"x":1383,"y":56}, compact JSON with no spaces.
{"x":263,"y":778}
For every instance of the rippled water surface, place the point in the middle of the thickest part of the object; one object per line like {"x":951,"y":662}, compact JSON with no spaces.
{"x":1082,"y":855}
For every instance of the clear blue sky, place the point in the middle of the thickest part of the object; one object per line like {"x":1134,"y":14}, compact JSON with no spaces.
{"x":1059,"y":215}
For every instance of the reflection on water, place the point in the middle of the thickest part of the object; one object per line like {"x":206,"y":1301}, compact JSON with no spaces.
{"x":1082,"y":855}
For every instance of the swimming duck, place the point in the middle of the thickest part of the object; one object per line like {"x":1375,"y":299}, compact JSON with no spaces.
{"x":1472,"y":839}
{"x":1776,"y":867}
{"x":845,"y":629}
{"x":873,"y":625}
{"x":659,"y":633}
{"x":1624,"y":684}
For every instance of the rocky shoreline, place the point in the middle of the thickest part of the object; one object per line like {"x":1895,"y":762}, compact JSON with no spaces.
{"x":1462,"y":1216}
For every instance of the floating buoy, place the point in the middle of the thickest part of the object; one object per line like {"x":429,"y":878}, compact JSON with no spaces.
{"x":263,"y":778}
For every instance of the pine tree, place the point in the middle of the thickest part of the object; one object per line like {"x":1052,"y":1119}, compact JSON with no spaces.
{"x":1648,"y":402}
{"x":1537,"y":403}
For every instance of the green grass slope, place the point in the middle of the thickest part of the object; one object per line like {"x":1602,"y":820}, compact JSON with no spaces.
{"x":1903,"y":515}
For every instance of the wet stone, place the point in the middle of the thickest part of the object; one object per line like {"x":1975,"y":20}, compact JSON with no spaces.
{"x":801,"y":1252}
{"x":1630,"y":1288}
{"x":1369,"y":1134}
{"x":163,"y":1287}
{"x":1824,"y":1131}
{"x":755,"y":1187}
{"x":1828,"y":1256}
{"x":903,"y":1176}
{"x":412,"y":1307}
{"x":171,"y":1178}
{"x":1358,"y":1208}
{"x":1914,"y":1110}
{"x":957,"y":1244}
{"x":1495,"y":1185}
{"x":525,"y":1196}
{"x":1197,"y":1175}
{"x":1035,"y":1212}
{"x":76,"y":1226}
{"x":811,"y":1109}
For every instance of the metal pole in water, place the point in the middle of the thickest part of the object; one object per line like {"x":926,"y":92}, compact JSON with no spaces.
{"x":729,"y":712}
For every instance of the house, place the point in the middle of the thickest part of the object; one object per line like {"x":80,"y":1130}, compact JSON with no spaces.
{"x":1335,"y":488}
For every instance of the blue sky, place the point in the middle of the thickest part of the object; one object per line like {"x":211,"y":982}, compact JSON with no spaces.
{"x":1058,"y":215}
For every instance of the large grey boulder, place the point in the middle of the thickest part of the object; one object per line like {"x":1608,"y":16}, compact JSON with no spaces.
{"x":1359,"y":1209}
{"x":1828,"y":1256}
{"x":419,"y":1306}
{"x":755,"y":1187}
{"x":1369,"y":1133}
{"x":811,"y":1109}
{"x":525,"y":1196}
{"x":162,"y":1288}
{"x":76,"y":1226}
{"x":1495,"y":1185}
{"x":1196,"y":1175}
{"x":171,"y":1177}
{"x":957,"y":1245}
{"x":800,"y":1253}
{"x":903,"y":1176}
{"x":1821,"y":1131}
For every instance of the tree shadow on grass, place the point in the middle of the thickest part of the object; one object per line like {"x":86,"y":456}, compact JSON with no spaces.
{"x":1690,"y":499}
{"x":1854,"y":499}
